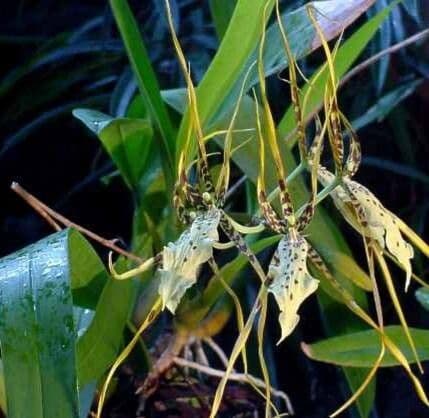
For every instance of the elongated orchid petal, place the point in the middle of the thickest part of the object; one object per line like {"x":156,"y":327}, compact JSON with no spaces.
{"x":183,"y":258}
{"x":291,"y":282}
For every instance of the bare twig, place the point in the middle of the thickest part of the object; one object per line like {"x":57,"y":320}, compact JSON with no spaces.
{"x":49,"y":215}
{"x":394,"y":48}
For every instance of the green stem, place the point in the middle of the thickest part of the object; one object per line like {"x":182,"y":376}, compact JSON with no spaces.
{"x":321,"y":195}
{"x":327,"y":190}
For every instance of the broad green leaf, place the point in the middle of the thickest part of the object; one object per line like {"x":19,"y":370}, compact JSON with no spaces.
{"x":146,"y":80}
{"x":85,"y":265}
{"x":385,"y":104}
{"x":37,"y":333}
{"x":126,"y":140}
{"x":422,"y":295}
{"x":41,"y":277}
{"x":345,"y":57}
{"x":361,"y":349}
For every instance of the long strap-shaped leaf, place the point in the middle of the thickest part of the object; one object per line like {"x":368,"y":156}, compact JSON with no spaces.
{"x":360,"y":349}
{"x":146,"y":79}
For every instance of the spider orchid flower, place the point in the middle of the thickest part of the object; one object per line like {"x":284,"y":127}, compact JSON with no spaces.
{"x":182,"y":259}
{"x":366,"y":214}
{"x":289,"y":280}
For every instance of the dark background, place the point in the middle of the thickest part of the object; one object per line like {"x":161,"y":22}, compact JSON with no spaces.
{"x":57,"y":55}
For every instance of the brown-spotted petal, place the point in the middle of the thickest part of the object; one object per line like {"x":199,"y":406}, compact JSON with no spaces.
{"x":290,"y":282}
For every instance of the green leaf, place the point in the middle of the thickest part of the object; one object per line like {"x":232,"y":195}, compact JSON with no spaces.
{"x":361,"y":349}
{"x":146,"y":80}
{"x":385,"y":104}
{"x":37,"y":334}
{"x":99,"y":346}
{"x":176,"y":98}
{"x":346,"y":56}
{"x":38,"y":281}
{"x":422,"y":295}
{"x":126,"y":140}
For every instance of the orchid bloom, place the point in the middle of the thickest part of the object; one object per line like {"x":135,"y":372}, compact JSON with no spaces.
{"x":366,"y":214}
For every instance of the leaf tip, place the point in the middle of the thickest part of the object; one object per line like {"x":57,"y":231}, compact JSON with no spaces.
{"x":306,"y":348}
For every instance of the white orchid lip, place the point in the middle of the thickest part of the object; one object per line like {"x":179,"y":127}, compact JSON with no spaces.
{"x":182,"y":259}
{"x":289,"y":280}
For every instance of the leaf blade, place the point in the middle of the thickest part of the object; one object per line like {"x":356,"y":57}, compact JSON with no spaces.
{"x":32,"y":282}
{"x":126,"y":140}
{"x":361,"y":349}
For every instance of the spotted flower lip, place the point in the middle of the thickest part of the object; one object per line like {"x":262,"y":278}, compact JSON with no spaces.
{"x":374,"y":220}
{"x":290,"y":281}
{"x":182,"y":259}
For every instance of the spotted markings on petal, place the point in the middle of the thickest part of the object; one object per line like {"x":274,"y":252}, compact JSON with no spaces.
{"x":183,"y":258}
{"x":289,"y":280}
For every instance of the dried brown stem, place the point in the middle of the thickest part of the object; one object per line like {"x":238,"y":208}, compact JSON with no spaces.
{"x":163,"y":364}
{"x":49,"y":215}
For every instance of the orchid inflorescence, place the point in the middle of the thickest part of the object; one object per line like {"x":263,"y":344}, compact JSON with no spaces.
{"x":200,"y":207}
